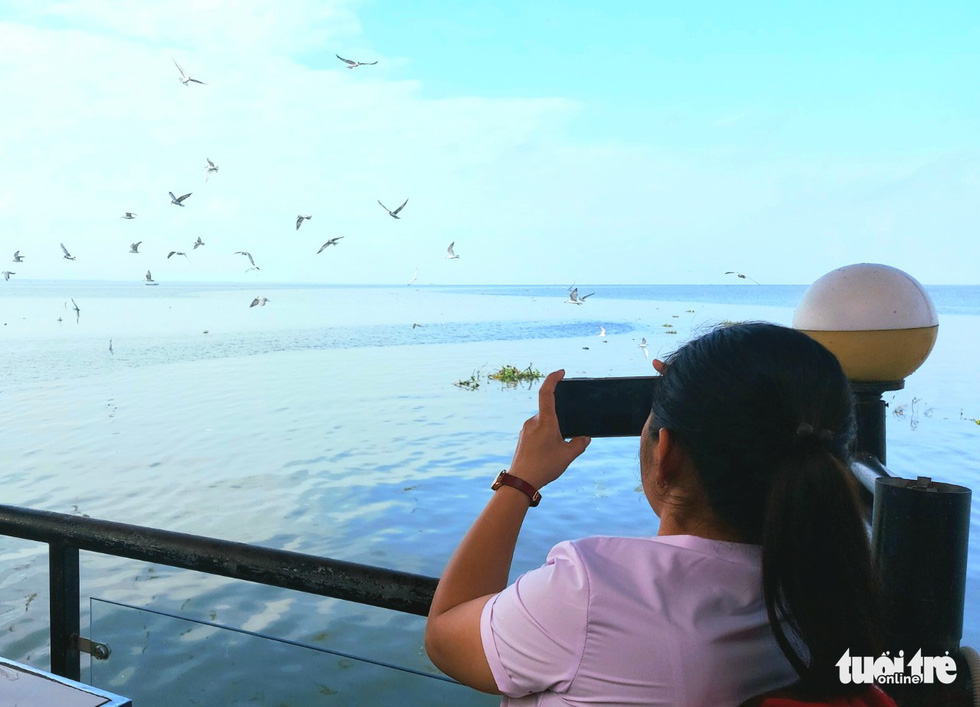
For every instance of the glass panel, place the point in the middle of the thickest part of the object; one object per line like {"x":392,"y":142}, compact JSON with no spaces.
{"x":161,"y":659}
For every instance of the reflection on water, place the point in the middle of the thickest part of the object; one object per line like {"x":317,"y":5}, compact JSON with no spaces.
{"x":325,"y":423}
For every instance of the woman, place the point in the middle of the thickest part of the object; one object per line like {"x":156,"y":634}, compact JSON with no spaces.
{"x":760,"y":576}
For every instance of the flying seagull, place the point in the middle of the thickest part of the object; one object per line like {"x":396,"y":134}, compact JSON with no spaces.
{"x":643,"y":345}
{"x":129,"y":215}
{"x":198,"y":243}
{"x":414,"y":277}
{"x":299,"y":220}
{"x":258,"y":302}
{"x":212,"y":167}
{"x":178,"y":201}
{"x":149,"y":277}
{"x":573,"y":297}
{"x":18,"y":258}
{"x":740,"y":276}
{"x":449,"y":251}
{"x":110,"y":347}
{"x":135,"y":247}
{"x":354,"y":64}
{"x":68,"y":256}
{"x":77,"y":310}
{"x":602,"y":331}
{"x":176,"y":252}
{"x":332,"y":241}
{"x":250,"y":259}
{"x":393,"y":214}
{"x":6,"y":274}
{"x":184,"y":78}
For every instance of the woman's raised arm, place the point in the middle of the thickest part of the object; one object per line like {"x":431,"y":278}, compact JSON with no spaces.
{"x":480,"y":567}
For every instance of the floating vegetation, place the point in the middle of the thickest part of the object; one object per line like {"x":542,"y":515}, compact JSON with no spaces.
{"x":471,"y":383}
{"x":512,"y":375}
{"x":671,"y":331}
{"x":668,"y":325}
{"x":913,"y":414}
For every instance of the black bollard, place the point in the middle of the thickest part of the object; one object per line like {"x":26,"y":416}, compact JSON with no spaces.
{"x":919,"y":533}
{"x":919,"y":537}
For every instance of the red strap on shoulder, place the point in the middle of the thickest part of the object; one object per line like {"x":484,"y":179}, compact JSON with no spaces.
{"x":872,"y":697}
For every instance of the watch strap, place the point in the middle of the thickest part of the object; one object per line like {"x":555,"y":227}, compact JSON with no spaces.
{"x":505,"y":479}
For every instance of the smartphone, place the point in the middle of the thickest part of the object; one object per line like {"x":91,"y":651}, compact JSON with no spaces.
{"x":604,"y":407}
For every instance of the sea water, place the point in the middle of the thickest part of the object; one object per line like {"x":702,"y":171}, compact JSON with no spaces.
{"x":328,"y":422}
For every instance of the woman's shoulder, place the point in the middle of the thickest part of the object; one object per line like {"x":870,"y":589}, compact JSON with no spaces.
{"x":692,"y":547}
{"x":663,"y":561}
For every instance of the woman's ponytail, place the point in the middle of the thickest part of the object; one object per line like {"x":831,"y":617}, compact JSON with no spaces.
{"x":818,"y":580}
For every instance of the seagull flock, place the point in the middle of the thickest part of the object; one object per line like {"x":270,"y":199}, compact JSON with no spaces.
{"x":211,"y":168}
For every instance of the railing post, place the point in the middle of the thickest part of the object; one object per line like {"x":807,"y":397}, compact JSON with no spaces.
{"x":64,"y":603}
{"x":869,"y":409}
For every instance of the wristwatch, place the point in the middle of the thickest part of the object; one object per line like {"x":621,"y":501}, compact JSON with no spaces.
{"x":505,"y":479}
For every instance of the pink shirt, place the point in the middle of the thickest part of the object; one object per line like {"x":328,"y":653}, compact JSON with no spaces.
{"x":673,"y":620}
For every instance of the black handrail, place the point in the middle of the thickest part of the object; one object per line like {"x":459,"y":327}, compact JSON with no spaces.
{"x":67,"y":534}
{"x":866,"y":468}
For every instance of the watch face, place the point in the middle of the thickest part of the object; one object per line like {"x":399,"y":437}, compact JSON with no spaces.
{"x":498,"y":482}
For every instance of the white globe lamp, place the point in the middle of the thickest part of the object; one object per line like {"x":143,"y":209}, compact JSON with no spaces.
{"x":878,"y":320}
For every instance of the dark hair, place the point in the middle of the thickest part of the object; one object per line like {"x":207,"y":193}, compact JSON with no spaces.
{"x":767,"y":417}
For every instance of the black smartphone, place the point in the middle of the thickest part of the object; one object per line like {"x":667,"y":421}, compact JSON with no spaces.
{"x":604,"y":407}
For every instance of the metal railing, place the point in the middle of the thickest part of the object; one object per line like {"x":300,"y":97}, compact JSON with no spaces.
{"x":67,"y":534}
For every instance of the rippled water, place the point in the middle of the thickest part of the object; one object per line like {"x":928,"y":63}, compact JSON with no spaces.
{"x":325,"y":423}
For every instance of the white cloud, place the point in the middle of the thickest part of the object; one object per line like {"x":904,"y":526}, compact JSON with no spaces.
{"x":97,"y":123}
{"x":200,"y":25}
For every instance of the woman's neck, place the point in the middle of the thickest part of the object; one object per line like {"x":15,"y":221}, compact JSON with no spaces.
{"x":672,"y":523}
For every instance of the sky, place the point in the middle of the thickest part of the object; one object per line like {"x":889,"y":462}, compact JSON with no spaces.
{"x":553,"y":142}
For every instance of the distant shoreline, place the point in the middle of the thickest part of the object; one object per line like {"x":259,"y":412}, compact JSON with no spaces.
{"x":221,"y":283}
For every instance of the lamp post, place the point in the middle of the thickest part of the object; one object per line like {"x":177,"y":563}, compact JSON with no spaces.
{"x":882,"y":325}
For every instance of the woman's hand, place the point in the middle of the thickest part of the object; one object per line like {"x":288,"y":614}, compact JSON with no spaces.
{"x":542,"y":454}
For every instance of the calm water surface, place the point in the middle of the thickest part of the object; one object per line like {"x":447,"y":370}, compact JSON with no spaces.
{"x":326,"y":423}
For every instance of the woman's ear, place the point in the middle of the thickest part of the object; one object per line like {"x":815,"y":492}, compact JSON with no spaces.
{"x":670,"y":455}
